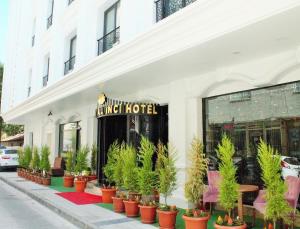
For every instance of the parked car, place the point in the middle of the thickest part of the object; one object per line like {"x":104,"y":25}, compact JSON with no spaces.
{"x":290,"y":166}
{"x":8,"y":158}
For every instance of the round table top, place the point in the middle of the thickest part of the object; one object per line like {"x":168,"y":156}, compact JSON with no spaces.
{"x":248,"y":188}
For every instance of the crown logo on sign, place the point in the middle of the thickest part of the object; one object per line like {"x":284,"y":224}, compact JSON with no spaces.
{"x":102,"y":99}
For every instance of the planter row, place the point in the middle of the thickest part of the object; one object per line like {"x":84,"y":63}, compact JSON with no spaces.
{"x":80,"y":183}
{"x":35,"y":177}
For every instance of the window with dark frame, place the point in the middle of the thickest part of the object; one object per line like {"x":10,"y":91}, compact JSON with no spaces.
{"x":69,"y":64}
{"x":46,"y":76}
{"x":111,"y":29}
{"x":50,"y":14}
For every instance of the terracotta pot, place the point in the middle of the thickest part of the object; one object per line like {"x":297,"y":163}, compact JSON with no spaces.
{"x":131,"y":208}
{"x":80,"y":185}
{"x":118,"y":204}
{"x":68,"y":181}
{"x":91,"y":177}
{"x":46,"y":180}
{"x":166,"y":219}
{"x":107,"y":194}
{"x":244,"y":226}
{"x":148,"y":214}
{"x":196,"y":222}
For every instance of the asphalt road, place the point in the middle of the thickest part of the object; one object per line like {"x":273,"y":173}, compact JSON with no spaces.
{"x":18,"y":211}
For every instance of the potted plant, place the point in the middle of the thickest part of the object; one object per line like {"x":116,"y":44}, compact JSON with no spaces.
{"x":93,"y":164}
{"x":109,"y":191}
{"x":80,"y":166}
{"x":194,"y":187}
{"x":147,"y":181}
{"x":118,"y":179}
{"x":68,"y":175}
{"x":130,"y":175}
{"x":277,"y":207}
{"x":45,"y":165}
{"x":26,"y":161}
{"x":166,"y":171}
{"x":228,"y":193}
{"x":35,"y":163}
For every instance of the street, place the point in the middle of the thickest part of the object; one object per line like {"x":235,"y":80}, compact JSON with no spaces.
{"x":18,"y":211}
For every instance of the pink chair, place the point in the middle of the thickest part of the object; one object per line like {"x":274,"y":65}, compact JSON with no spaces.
{"x":292,"y":195}
{"x":212,"y":193}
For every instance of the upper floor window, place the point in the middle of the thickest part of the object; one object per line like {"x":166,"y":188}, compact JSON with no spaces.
{"x":46,"y":74}
{"x":69,"y":64}
{"x":50,"y":13}
{"x":29,"y":83}
{"x":111,"y":30}
{"x":70,"y":1}
{"x":165,"y":8}
{"x":33,"y":33}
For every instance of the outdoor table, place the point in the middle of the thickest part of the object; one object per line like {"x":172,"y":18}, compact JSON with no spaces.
{"x":244,"y":188}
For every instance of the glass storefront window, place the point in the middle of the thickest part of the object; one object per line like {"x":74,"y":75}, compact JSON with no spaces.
{"x":271,"y":114}
{"x":69,"y":137}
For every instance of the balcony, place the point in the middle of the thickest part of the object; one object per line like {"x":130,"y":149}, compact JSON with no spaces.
{"x":49,"y":21}
{"x":45,"y":80}
{"x":69,"y":65}
{"x":165,"y":8}
{"x":109,"y":40}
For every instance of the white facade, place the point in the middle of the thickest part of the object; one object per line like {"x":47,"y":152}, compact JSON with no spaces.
{"x":208,"y":48}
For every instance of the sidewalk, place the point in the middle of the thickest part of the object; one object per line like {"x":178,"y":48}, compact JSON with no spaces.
{"x":88,"y":216}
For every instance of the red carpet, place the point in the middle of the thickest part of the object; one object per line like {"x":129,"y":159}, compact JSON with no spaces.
{"x":81,"y":198}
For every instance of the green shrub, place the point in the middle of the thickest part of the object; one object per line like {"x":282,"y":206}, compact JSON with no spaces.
{"x":36,"y":159}
{"x":94,"y":158}
{"x":194,"y":186}
{"x":269,"y":161}
{"x":45,"y":164}
{"x":109,"y":168}
{"x":21,"y":157}
{"x":81,"y":160}
{"x":146,"y":175}
{"x":69,"y":163}
{"x":167,"y":173}
{"x":118,"y":176}
{"x":130,"y":170}
{"x":228,"y":186}
{"x":27,"y":156}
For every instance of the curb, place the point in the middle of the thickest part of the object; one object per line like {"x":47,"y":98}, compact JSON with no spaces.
{"x":59,"y":211}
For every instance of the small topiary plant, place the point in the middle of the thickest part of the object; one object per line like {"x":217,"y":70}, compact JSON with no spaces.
{"x":146,"y":175}
{"x":167,"y":171}
{"x":118,"y":176}
{"x":21,"y":157}
{"x":194,"y":186}
{"x":109,"y":168}
{"x":81,"y":160}
{"x":94,"y":158}
{"x":45,"y":164}
{"x":130,"y":170}
{"x":27,"y":156}
{"x":35,"y":160}
{"x":276,"y":207}
{"x":69,"y":163}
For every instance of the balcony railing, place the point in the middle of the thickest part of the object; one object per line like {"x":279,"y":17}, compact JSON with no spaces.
{"x":32,"y":40}
{"x":109,"y":40}
{"x":70,"y":1}
{"x":165,"y":8}
{"x":49,"y":21}
{"x":45,"y":80}
{"x":69,"y":65}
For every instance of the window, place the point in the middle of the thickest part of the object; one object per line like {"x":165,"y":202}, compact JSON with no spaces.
{"x":111,"y":30}
{"x":69,"y":64}
{"x":69,"y":137}
{"x":297,"y":88}
{"x":70,"y":1}
{"x":29,"y":83}
{"x":33,"y":33}
{"x":271,"y":114}
{"x":50,"y":13}
{"x":46,"y":74}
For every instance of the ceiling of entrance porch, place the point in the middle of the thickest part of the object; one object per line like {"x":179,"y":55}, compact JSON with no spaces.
{"x":272,"y":35}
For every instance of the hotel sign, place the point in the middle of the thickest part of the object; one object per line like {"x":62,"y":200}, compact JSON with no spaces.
{"x":109,"y":107}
